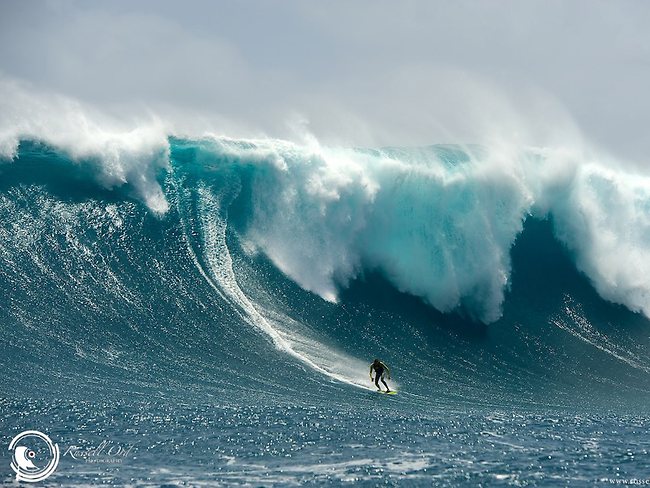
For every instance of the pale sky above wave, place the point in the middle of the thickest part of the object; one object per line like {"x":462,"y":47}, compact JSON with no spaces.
{"x":358,"y":73}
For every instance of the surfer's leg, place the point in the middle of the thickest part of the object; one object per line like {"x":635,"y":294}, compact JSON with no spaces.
{"x":382,"y":380}
{"x":377,"y":381}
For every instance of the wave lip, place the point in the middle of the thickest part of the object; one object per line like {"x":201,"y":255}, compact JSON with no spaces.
{"x":118,"y":155}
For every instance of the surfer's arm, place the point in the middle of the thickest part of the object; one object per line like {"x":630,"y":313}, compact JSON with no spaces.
{"x":371,"y":372}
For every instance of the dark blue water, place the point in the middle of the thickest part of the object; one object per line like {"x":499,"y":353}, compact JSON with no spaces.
{"x":216,"y":323}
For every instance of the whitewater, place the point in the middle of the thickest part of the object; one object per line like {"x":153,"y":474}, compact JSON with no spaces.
{"x":215,"y":301}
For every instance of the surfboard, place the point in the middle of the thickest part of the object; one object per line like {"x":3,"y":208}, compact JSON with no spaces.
{"x":392,"y":392}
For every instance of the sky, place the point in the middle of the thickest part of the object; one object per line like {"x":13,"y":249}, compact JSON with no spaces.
{"x":361,"y":73}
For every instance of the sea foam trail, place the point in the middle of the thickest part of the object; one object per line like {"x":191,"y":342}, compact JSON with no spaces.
{"x":219,"y":273}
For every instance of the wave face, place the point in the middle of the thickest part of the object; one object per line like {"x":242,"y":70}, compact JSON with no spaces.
{"x":194,"y":266}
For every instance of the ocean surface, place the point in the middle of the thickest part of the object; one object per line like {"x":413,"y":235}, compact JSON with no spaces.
{"x":203,"y":312}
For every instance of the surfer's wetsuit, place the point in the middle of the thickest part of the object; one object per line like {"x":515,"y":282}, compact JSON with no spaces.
{"x":379,"y":368}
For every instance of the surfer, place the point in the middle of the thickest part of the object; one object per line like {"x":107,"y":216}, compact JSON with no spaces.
{"x":379,"y":368}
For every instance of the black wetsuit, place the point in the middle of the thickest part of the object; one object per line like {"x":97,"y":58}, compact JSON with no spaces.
{"x":379,"y":375}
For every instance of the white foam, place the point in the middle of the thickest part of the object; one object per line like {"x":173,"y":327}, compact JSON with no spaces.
{"x":605,"y":219}
{"x":442,"y":233}
{"x":121,"y":154}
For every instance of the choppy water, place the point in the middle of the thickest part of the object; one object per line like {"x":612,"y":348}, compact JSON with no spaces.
{"x":375,"y":443}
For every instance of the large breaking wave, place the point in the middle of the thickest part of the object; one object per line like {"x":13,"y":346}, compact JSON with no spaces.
{"x":438,"y":222}
{"x":97,"y":224}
